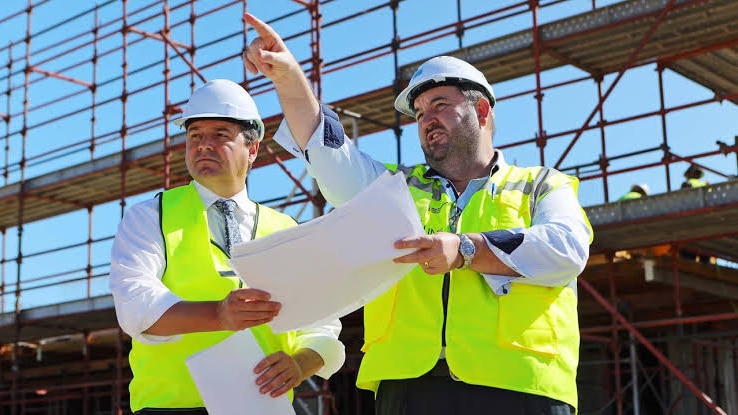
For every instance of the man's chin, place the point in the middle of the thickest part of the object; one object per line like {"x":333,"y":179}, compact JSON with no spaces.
{"x":435,"y":156}
{"x":208,"y":172}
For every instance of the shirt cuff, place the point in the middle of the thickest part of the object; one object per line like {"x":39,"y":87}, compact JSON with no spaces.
{"x":533,"y":261}
{"x":502,"y":243}
{"x":329,"y":133}
{"x":284,"y":138}
{"x":500,"y":284}
{"x":330,"y":349}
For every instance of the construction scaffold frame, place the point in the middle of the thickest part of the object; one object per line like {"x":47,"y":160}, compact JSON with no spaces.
{"x":658,"y":300}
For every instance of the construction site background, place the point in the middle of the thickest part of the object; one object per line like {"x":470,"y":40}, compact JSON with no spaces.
{"x":613,"y":92}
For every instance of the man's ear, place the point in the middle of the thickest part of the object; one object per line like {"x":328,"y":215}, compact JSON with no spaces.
{"x":253,"y":151}
{"x":483,"y":110}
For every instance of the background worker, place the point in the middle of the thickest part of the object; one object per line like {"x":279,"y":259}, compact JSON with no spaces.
{"x":488,"y":320}
{"x":693,"y":177}
{"x":637,"y":191}
{"x":174,"y":292}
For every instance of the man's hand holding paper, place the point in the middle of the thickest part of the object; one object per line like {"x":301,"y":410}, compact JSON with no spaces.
{"x":345,"y":257}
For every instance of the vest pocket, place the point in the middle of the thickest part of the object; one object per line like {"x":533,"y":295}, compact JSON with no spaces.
{"x":529,"y":318}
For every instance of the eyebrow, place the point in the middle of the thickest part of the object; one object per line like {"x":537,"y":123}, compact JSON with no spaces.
{"x":433,"y":100}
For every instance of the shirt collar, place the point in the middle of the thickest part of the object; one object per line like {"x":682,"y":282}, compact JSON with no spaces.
{"x":498,"y":163}
{"x":209,"y":197}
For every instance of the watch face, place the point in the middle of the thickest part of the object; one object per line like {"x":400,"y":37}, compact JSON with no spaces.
{"x":467,"y":246}
{"x":467,"y":249}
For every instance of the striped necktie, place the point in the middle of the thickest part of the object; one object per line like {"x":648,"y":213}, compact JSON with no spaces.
{"x":232,"y":234}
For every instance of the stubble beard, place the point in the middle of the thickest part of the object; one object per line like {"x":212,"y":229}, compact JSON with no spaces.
{"x":454,"y":158}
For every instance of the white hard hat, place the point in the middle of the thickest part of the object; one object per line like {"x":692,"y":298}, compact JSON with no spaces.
{"x":221,"y":98}
{"x":643,"y":186}
{"x":442,"y":70}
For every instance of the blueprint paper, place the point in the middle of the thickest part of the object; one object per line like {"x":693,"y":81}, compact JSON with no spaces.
{"x":328,"y":267}
{"x":224,"y":376}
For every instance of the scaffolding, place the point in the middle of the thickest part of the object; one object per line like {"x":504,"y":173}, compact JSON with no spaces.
{"x":89,"y":95}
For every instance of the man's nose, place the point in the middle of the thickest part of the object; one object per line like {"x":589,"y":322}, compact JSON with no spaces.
{"x":206,"y":143}
{"x":427,"y":120}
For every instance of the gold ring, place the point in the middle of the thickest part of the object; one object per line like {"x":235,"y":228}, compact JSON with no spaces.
{"x":426,"y":264}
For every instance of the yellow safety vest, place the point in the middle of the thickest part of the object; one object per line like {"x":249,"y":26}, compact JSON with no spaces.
{"x":526,"y":341}
{"x":630,"y":196}
{"x":160,"y":377}
{"x":696,"y":183}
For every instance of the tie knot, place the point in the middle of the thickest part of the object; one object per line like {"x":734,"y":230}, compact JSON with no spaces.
{"x":226,"y":206}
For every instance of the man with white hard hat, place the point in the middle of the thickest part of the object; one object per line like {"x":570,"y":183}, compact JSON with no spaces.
{"x":174,"y":292}
{"x":487,"y":321}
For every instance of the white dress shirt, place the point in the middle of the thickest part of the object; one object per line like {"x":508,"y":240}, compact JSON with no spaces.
{"x":555,"y":247}
{"x":138,"y":263}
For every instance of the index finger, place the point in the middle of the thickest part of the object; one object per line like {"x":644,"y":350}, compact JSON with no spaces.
{"x":251,"y":294}
{"x":420,"y":241}
{"x":263,"y":29}
{"x":268,"y":361}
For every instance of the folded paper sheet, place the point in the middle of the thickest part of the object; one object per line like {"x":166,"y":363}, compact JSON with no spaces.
{"x":332,"y":265}
{"x":224,"y":375}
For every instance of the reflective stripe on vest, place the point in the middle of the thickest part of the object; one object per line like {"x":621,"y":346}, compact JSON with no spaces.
{"x":161,"y":378}
{"x":529,"y":340}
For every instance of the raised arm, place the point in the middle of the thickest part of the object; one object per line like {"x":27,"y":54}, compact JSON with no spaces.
{"x":269,"y":55}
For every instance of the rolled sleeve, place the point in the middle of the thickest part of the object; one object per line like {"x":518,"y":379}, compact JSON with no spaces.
{"x":324,"y":341}
{"x":136,"y":267}
{"x":329,"y":133}
{"x":284,"y":138}
{"x":554,"y":250}
{"x":332,"y":159}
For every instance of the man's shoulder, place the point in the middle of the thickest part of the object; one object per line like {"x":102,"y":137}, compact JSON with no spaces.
{"x":153,"y":203}
{"x":532,"y":171}
{"x":275,"y":217}
{"x":419,"y":169}
{"x":143,"y":209}
{"x":543,"y":178}
{"x":535,"y":168}
{"x":178,"y":189}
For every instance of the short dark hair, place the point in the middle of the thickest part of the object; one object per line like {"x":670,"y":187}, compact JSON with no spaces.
{"x":473,"y":95}
{"x":250,"y":135}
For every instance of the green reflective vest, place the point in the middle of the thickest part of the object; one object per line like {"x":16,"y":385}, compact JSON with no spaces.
{"x":631,"y":196}
{"x":160,"y":377}
{"x":696,"y":183}
{"x":526,"y":341}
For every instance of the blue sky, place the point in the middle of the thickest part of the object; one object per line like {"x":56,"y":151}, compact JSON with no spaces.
{"x":690,"y":131}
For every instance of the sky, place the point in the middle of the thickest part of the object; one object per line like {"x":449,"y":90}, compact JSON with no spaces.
{"x":55,"y":249}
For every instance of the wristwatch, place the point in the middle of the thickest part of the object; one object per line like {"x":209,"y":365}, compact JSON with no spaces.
{"x":467,"y":250}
